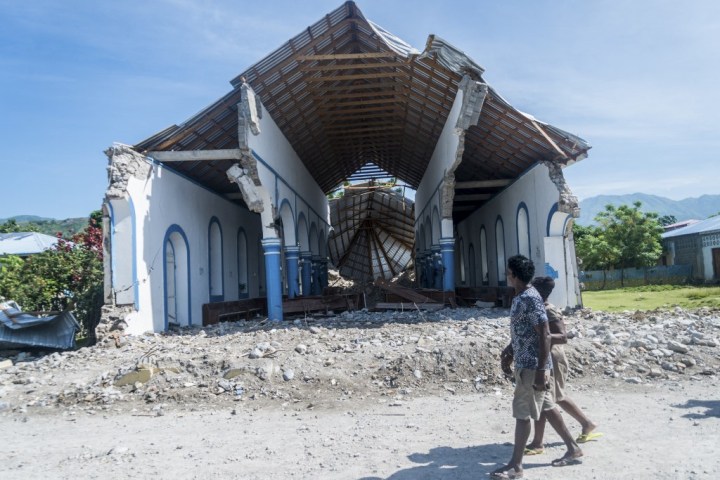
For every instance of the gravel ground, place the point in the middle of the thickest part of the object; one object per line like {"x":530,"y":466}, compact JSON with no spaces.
{"x":399,"y":395}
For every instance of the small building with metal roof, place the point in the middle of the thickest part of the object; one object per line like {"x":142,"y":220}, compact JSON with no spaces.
{"x":697,"y":244}
{"x":25,"y":243}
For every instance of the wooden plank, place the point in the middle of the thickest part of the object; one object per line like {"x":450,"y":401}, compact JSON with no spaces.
{"x":408,"y":306}
{"x":483,"y":184}
{"x":472,"y":198}
{"x":358,"y":76}
{"x":345,"y":56}
{"x":403,"y":292}
{"x":341,"y":96}
{"x":355,"y":87}
{"x":213,"y":312}
{"x":379,"y":128}
{"x":195,"y":155}
{"x":353,"y":66}
{"x":370,"y":101}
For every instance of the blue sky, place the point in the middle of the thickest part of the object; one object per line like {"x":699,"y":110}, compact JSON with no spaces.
{"x":638,"y":80}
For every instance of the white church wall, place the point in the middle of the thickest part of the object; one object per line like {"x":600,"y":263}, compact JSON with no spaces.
{"x":535,"y":192}
{"x":166,"y":199}
{"x":285,"y":176}
{"x":444,"y":155}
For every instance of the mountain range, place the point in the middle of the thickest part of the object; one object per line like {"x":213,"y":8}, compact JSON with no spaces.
{"x":698,"y":208}
{"x":50,"y":226}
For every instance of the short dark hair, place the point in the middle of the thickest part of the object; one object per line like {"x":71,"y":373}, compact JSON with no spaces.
{"x":522,"y":267}
{"x":544,"y":286}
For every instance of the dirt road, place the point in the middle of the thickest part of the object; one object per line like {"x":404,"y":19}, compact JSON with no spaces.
{"x":661,"y":431}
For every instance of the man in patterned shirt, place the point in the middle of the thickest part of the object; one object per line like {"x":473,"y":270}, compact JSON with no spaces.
{"x":530,"y":347}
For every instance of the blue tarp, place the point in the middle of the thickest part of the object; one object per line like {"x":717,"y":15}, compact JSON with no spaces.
{"x":20,"y":329}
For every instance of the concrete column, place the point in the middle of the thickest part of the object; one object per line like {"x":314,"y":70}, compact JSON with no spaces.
{"x":437,"y":267}
{"x":291,"y":261}
{"x":316,"y":288}
{"x":323,"y":274}
{"x":306,"y":260}
{"x":419,"y":272}
{"x":447,"y":251}
{"x":273,"y":282}
{"x":427,"y":256}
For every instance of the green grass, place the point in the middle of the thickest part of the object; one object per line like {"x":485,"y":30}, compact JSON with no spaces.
{"x":651,"y":297}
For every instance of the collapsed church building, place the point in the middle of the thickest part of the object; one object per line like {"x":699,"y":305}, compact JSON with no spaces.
{"x":233,"y":205}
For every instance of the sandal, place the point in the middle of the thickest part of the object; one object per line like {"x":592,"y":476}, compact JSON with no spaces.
{"x":534,"y":451}
{"x":509,"y":473}
{"x":588,"y":437}
{"x":566,"y":461}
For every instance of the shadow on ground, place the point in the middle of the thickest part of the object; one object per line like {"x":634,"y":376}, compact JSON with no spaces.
{"x":712,"y":408}
{"x":446,"y":463}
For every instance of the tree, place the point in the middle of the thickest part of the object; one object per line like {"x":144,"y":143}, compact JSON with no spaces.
{"x":635,"y":234}
{"x":593,"y":249}
{"x":68,"y":275}
{"x":11,"y":226}
{"x":666,"y":220}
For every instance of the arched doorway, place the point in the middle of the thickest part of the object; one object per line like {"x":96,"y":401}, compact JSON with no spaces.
{"x":176,"y":278}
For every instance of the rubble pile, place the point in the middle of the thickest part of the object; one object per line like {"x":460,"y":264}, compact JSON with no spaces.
{"x":356,"y":356}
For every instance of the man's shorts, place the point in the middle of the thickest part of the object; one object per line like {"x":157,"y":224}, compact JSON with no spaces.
{"x":560,"y":370}
{"x":527,"y":402}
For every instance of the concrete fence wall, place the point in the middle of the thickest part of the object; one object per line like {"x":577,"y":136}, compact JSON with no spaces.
{"x":635,"y":277}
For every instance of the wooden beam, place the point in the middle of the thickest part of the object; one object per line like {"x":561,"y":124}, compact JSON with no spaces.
{"x":472,"y":198}
{"x":356,"y":87}
{"x":370,"y":101}
{"x":483,"y":184}
{"x":465,"y":208}
{"x":408,"y":306}
{"x":389,"y":260}
{"x":195,"y":155}
{"x":345,"y":56}
{"x":358,"y":76}
{"x":372,"y":128}
{"x":386,"y":109}
{"x":353,"y":66}
{"x":340,"y":96}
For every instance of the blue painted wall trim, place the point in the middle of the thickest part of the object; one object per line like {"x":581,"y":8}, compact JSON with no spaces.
{"x":242,"y":263}
{"x":553,"y":209}
{"x":484,"y":254}
{"x":278,"y":176}
{"x":522,"y":206}
{"x":447,"y":250}
{"x":221,"y":297}
{"x":271,"y":248}
{"x":306,"y":272}
{"x":173,"y":229}
{"x":501,"y":278}
{"x":292,"y":253}
{"x":168,"y":167}
{"x":430,"y":199}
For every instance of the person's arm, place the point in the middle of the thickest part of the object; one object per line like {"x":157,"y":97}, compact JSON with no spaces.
{"x":543,"y":332}
{"x":506,"y":358}
{"x":558,"y":334}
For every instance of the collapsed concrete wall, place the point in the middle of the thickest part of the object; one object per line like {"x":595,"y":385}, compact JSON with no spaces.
{"x":169,"y":240}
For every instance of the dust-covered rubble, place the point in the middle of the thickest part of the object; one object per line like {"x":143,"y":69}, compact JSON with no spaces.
{"x":333,"y":361}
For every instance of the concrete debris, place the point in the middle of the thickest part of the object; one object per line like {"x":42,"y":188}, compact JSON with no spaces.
{"x":357,"y":356}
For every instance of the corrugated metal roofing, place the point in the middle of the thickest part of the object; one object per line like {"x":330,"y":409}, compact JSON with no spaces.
{"x":373,"y":234}
{"x":346,"y":92}
{"x":704,"y":226}
{"x":20,"y":329}
{"x":25,"y":243}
